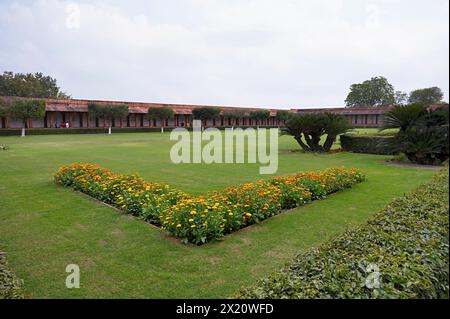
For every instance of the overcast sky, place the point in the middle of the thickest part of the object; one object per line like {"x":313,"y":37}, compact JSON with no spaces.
{"x":264,"y":53}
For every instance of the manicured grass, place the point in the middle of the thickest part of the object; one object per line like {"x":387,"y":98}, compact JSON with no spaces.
{"x":44,"y":227}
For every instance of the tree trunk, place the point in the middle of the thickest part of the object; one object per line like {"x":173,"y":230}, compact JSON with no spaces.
{"x":313,"y":142}
{"x":329,"y":143}
{"x":305,"y":147}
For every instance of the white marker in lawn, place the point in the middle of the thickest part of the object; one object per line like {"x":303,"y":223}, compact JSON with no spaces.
{"x":227,"y":148}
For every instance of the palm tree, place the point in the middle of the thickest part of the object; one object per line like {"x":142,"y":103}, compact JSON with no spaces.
{"x":403,"y":116}
{"x":308,"y":129}
{"x":423,"y":135}
{"x":334,"y":125}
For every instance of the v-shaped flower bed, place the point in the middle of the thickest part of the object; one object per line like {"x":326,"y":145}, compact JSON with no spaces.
{"x":199,"y":219}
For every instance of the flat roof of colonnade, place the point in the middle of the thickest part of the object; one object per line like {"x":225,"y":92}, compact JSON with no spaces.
{"x":81,"y":105}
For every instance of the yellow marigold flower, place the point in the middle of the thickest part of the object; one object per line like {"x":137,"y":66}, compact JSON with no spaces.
{"x":230,"y":214}
{"x":191,"y":220}
{"x":179,"y":225}
{"x":193,"y":212}
{"x":193,"y":226}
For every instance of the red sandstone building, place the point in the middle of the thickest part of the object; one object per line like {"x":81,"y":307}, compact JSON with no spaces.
{"x":75,"y":113}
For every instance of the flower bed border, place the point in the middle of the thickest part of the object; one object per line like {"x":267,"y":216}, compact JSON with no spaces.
{"x":200,"y":219}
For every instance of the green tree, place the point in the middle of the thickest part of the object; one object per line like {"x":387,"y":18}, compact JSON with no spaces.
{"x":371,"y":93}
{"x":206,"y":113}
{"x":427,"y":96}
{"x":25,"y":110}
{"x":30,"y":85}
{"x":259,"y":116}
{"x":160,"y":113}
{"x":234,"y":114}
{"x":334,"y":125}
{"x":401,"y":98}
{"x":403,"y":116}
{"x":4,"y":108}
{"x":283,"y":116}
{"x":308,"y":130}
{"x":108,"y":112}
{"x":423,"y":133}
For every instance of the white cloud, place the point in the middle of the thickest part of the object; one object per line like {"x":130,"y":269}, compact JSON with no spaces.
{"x":229,"y":52}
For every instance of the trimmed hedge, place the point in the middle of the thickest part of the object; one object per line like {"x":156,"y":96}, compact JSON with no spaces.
{"x":52,"y":131}
{"x":98,"y":130}
{"x":369,"y":144}
{"x":10,"y":285}
{"x":199,"y":219}
{"x":406,"y":244}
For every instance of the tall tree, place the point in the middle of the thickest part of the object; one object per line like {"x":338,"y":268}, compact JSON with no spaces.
{"x":427,"y":96}
{"x":108,"y":112}
{"x":25,"y":110}
{"x":206,"y":113}
{"x":30,"y":85}
{"x":160,"y":113}
{"x":371,"y":93}
{"x":401,"y":98}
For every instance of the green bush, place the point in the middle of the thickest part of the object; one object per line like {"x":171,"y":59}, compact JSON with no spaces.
{"x":369,"y":144}
{"x":10,"y":286}
{"x":405,"y":245}
{"x":423,"y":132}
{"x":97,"y":130}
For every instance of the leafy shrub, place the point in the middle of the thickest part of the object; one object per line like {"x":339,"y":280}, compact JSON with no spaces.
{"x":97,"y":130}
{"x":10,"y":285}
{"x":368,"y":144}
{"x":423,"y":134}
{"x":204,"y":218}
{"x":406,"y":244}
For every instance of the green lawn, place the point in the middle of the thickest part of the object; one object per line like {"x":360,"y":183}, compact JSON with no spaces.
{"x":44,"y":227}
